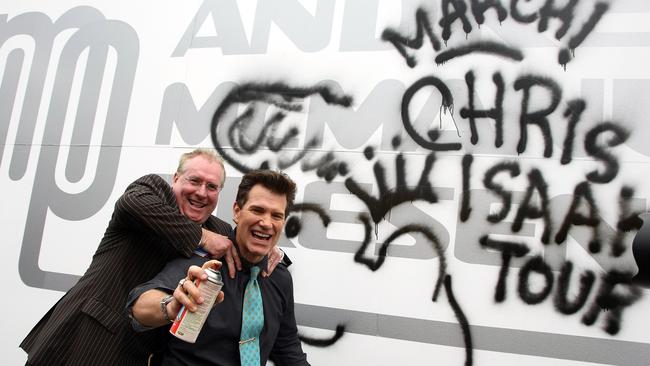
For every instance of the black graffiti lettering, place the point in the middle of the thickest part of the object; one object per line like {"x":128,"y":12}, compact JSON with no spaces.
{"x":423,"y":26}
{"x":480,"y":7}
{"x":324,"y":342}
{"x":449,"y":17}
{"x":573,"y":112}
{"x":593,"y":149}
{"x":627,"y":221}
{"x":495,"y":113}
{"x":506,"y":196}
{"x":518,"y":16}
{"x":537,"y":183}
{"x":565,"y":54}
{"x":581,"y":192}
{"x":526,"y":83}
{"x":564,"y":14}
{"x":399,"y":41}
{"x":507,"y":249}
{"x":466,"y":197}
{"x":535,"y":264}
{"x":614,"y":295}
{"x":447,"y":104}
{"x":561,"y":301}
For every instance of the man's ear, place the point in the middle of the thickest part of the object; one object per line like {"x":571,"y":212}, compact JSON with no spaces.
{"x":175,"y":177}
{"x":235,"y":212}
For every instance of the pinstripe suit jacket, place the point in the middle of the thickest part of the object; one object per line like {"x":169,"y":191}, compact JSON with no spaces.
{"x":89,"y":324}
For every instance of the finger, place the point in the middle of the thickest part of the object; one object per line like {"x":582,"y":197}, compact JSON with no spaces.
{"x":220,"y":298}
{"x":181,"y":297}
{"x":235,"y":257}
{"x":272,"y":263}
{"x":196,"y":272}
{"x":193,"y":292}
{"x":231,"y":264}
{"x":213,"y":263}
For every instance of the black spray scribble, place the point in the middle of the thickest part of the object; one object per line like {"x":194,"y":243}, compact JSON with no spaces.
{"x":619,"y":136}
{"x":390,"y":197}
{"x":326,"y":166}
{"x":442,"y":278}
{"x":614,"y":294}
{"x":447,"y":105}
{"x":582,"y":192}
{"x":628,"y":221}
{"x":536,"y":183}
{"x":574,"y":111}
{"x":479,"y":7}
{"x":508,"y":250}
{"x":457,"y":11}
{"x":465,"y":209}
{"x":540,"y":117}
{"x":495,"y":113}
{"x":282,"y":96}
{"x":449,"y":16}
{"x":566,"y":54}
{"x":506,"y":196}
{"x":399,"y":41}
{"x":293,"y":226}
{"x":324,"y":342}
{"x":536,"y":264}
{"x":485,"y":47}
{"x":561,"y":300}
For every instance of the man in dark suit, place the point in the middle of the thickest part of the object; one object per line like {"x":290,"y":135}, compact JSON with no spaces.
{"x":254,"y":320}
{"x":152,"y":223}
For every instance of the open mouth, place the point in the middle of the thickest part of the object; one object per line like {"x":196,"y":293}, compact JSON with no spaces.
{"x":261,"y":235}
{"x":196,"y":204}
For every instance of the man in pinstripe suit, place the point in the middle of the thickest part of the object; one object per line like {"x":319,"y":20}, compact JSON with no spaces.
{"x":152,"y":223}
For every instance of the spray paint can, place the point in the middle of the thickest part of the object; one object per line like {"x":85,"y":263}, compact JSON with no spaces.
{"x":187,"y":324}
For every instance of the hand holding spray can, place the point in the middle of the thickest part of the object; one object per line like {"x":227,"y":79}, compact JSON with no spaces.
{"x":187,"y":324}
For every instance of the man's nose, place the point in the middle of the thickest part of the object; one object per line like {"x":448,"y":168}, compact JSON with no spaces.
{"x":202,"y":189}
{"x":265,"y":221}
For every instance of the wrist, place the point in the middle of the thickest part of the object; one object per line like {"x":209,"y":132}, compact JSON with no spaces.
{"x":163,"y":307}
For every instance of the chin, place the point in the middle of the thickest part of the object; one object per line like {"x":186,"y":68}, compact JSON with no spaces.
{"x":261,"y":250}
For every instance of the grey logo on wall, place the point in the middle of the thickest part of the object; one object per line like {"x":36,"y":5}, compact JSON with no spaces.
{"x":92,"y":38}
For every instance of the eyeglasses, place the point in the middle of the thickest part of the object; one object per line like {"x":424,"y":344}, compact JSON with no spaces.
{"x":198,"y":182}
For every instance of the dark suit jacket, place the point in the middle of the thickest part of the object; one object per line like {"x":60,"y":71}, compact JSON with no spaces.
{"x":89,"y":324}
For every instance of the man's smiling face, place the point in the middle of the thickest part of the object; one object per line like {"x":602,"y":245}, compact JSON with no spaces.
{"x":197,"y":188}
{"x":259,"y":222}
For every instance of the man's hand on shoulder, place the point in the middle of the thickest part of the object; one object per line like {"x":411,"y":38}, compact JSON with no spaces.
{"x":275,"y":257}
{"x":219,"y":246}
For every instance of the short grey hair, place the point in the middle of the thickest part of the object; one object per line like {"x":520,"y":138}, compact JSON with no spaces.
{"x":209,"y":154}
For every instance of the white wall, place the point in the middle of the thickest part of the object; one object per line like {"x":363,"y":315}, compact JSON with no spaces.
{"x":156,"y":71}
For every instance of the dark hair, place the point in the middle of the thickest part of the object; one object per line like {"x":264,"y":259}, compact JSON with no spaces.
{"x":276,"y":182}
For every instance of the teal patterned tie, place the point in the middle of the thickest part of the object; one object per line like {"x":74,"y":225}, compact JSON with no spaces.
{"x":252,"y":322}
